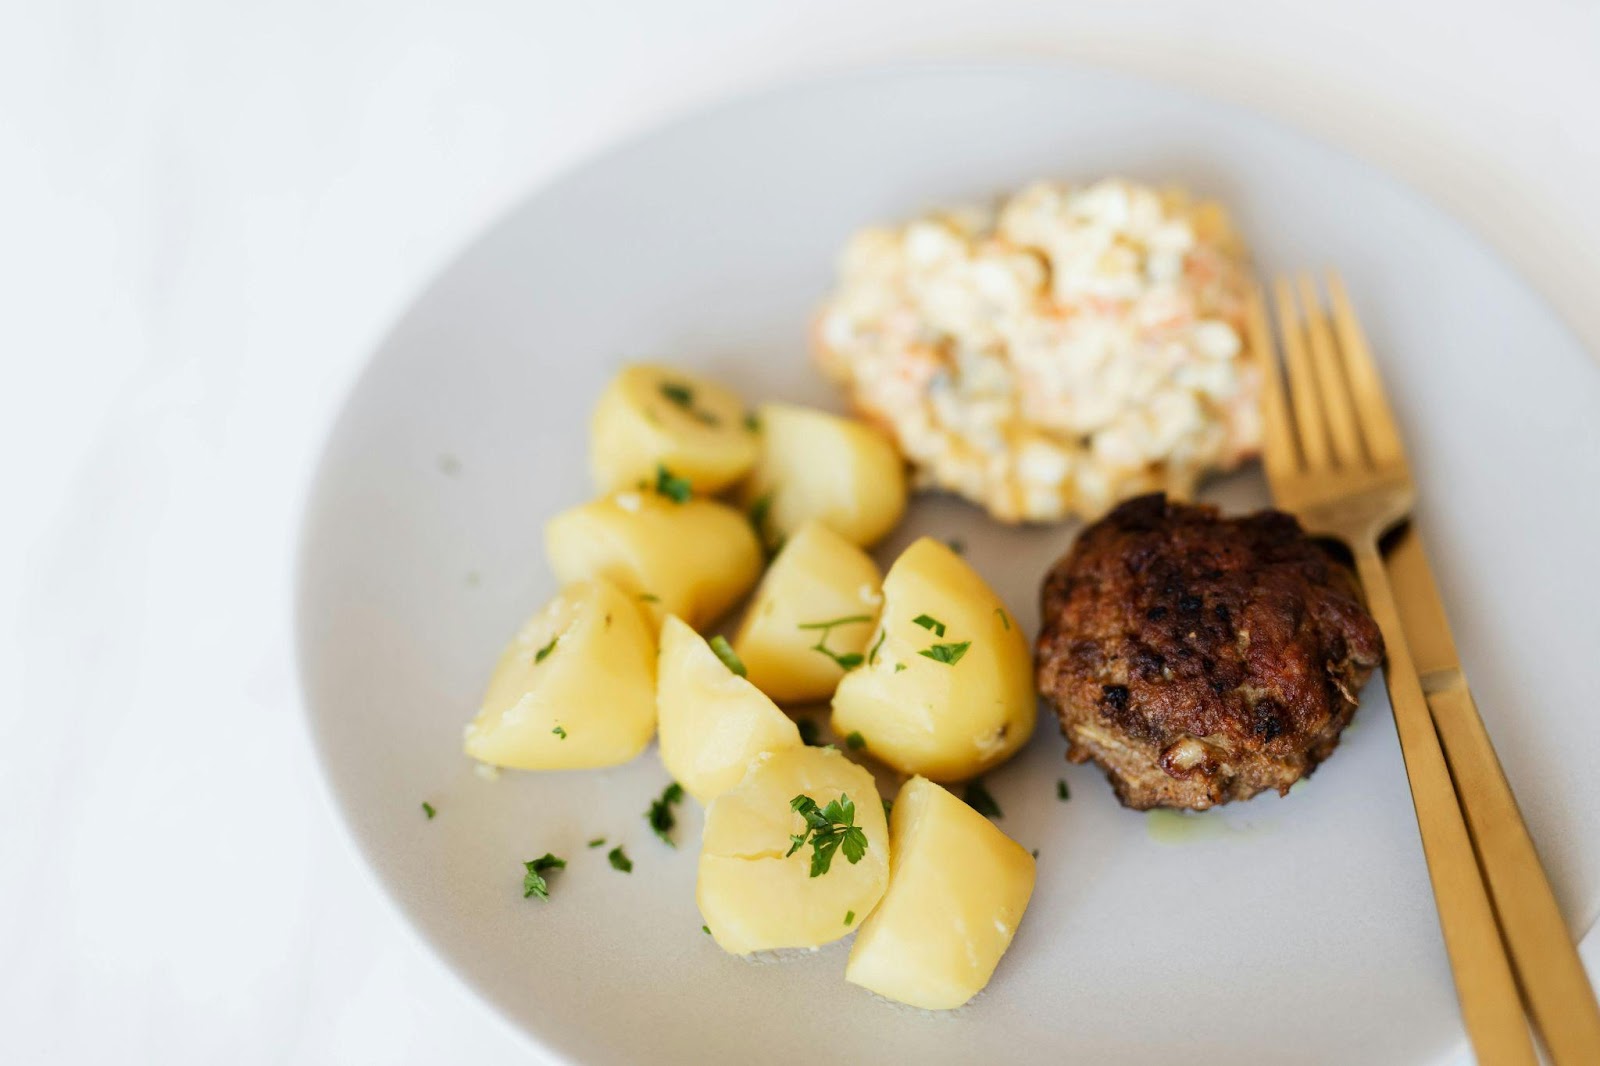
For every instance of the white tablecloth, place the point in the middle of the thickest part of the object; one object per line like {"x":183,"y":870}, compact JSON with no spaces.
{"x":209,"y":212}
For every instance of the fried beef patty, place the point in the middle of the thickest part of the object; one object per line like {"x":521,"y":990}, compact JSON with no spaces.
{"x":1200,"y":659}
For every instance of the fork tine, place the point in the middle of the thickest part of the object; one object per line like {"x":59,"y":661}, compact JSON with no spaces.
{"x":1336,"y":407}
{"x":1302,"y":386}
{"x":1366,"y":387}
{"x":1278,"y":450}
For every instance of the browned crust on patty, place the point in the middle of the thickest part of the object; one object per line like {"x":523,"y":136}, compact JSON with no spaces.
{"x":1200,"y":659}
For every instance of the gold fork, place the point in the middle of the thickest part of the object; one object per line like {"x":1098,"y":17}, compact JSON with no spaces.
{"x":1333,"y":457}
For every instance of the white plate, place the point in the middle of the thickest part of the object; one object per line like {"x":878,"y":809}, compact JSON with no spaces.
{"x":1296,"y":929}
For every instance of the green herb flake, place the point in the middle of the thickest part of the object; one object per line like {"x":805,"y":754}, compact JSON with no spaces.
{"x":427,"y":808}
{"x":752,"y":422}
{"x":533,"y":882}
{"x":598,"y":842}
{"x":729,"y":657}
{"x":810,"y":735}
{"x":855,"y":741}
{"x":846,"y":620}
{"x":1061,"y":791}
{"x":760,"y":515}
{"x":946,"y":653}
{"x":1004,"y":620}
{"x":560,"y":732}
{"x":849,"y":917}
{"x":899,"y":667}
{"x":682,"y":395}
{"x":649,"y":597}
{"x":540,"y":655}
{"x":828,"y":830}
{"x":660,"y":814}
{"x":957,"y":546}
{"x":676,"y":489}
{"x":619,"y":861}
{"x":928,"y":622}
{"x":1036,"y":853}
{"x":847,"y":661}
{"x":872,"y":656}
{"x":706,"y":929}
{"x":978,"y":798}
{"x":888,"y":807}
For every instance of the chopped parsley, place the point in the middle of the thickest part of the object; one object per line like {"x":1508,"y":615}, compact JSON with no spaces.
{"x":872,"y":656}
{"x":847,"y":661}
{"x":899,"y":667}
{"x":752,"y":422}
{"x":706,"y":929}
{"x":729,"y":657}
{"x":619,"y":861}
{"x":539,"y":656}
{"x":660,"y":813}
{"x":957,"y":546}
{"x":533,"y":882}
{"x":676,"y":489}
{"x":810,"y":735}
{"x":828,"y":830}
{"x":683,"y":396}
{"x":760,"y":515}
{"x":855,"y":741}
{"x":849,"y":917}
{"x":560,"y":732}
{"x":427,"y":808}
{"x":928,"y":622}
{"x":598,"y":842}
{"x":946,"y":653}
{"x":888,"y":805}
{"x":1001,"y":611}
{"x":1036,"y":853}
{"x":1061,"y":791}
{"x":978,"y":799}
{"x":649,"y":597}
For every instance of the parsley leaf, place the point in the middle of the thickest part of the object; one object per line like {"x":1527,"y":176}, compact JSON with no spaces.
{"x":427,"y":808}
{"x":978,"y":799}
{"x":752,"y":422}
{"x":849,"y":917}
{"x":872,"y":656}
{"x":560,"y":732}
{"x":847,"y":620}
{"x":957,"y":546}
{"x":683,"y":396}
{"x":533,"y":882}
{"x":855,"y":741}
{"x":676,"y":489}
{"x":706,"y":929}
{"x":729,"y":657}
{"x":947,"y":653}
{"x":598,"y":842}
{"x":649,"y":597}
{"x":760,"y":515}
{"x":619,"y":861}
{"x":660,"y":813}
{"x":899,"y":667}
{"x":539,"y":656}
{"x":809,"y":734}
{"x":847,"y":661}
{"x":928,"y":622}
{"x":828,"y":830}
{"x":1001,"y":611}
{"x":1061,"y":790}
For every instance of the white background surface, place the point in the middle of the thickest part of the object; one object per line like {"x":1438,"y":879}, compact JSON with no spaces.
{"x":210,"y":212}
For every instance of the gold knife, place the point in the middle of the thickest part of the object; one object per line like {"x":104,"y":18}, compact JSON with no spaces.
{"x":1551,"y":975}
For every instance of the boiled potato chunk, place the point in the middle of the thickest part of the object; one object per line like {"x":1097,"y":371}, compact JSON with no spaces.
{"x":574,"y":689}
{"x":818,"y":578}
{"x":693,"y":559}
{"x":815,"y":465}
{"x":957,"y":889}
{"x":712,"y":721}
{"x":655,"y":416}
{"x":751,"y":896}
{"x":948,"y":691}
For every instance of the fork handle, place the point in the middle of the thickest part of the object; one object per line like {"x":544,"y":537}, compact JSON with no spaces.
{"x":1547,"y":963}
{"x":1484,"y":983}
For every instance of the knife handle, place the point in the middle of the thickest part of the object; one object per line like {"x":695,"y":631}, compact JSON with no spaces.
{"x":1549,"y":971}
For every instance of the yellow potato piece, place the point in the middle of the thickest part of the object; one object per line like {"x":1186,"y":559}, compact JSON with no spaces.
{"x":654,"y":416}
{"x":958,"y":887}
{"x":712,"y":721}
{"x":751,"y":896}
{"x":815,"y":465}
{"x":693,"y":559}
{"x":947,"y":720}
{"x":818,"y":577}
{"x":574,"y":689}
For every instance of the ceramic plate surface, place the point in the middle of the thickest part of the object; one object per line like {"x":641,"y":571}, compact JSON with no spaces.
{"x":1283,"y":930}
